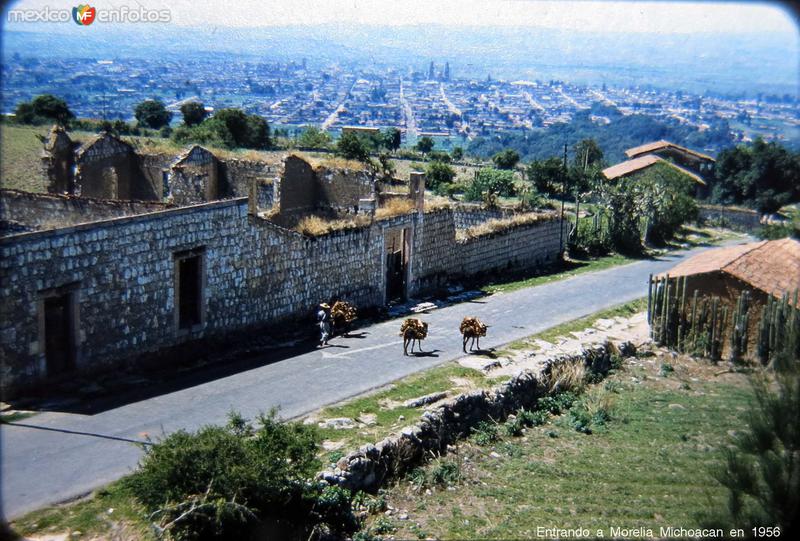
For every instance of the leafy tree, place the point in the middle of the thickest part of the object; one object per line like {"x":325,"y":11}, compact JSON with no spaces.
{"x":352,"y":147}
{"x":438,"y":174}
{"x":391,"y":139}
{"x":489,"y":181}
{"x":230,"y":128}
{"x":386,"y":165}
{"x":257,"y":134}
{"x":152,"y":114}
{"x":506,"y":159}
{"x":546,"y":175}
{"x":44,"y":108}
{"x":313,"y":137}
{"x":425,"y":144}
{"x":623,"y":228}
{"x":765,"y":176}
{"x":193,"y":113}
{"x":666,"y":201}
{"x":457,"y":153}
{"x":588,"y":154}
{"x":440,"y":156}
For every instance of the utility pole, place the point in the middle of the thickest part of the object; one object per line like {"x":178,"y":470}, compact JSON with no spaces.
{"x":563,"y":196}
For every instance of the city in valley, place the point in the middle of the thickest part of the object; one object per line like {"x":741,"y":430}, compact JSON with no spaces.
{"x":360,"y":270}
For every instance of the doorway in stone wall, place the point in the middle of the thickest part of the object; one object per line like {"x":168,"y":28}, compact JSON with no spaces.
{"x":397,"y":254}
{"x":59,"y":326}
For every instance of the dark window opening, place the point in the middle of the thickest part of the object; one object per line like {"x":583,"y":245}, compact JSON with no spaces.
{"x":59,"y":330}
{"x":190,"y":290}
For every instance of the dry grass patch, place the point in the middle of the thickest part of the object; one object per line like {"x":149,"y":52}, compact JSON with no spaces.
{"x":567,"y":376}
{"x":394,"y":207}
{"x":315,"y":226}
{"x":502,"y":224}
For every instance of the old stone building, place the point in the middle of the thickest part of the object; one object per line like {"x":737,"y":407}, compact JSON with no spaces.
{"x":100,"y":295}
{"x":108,"y":168}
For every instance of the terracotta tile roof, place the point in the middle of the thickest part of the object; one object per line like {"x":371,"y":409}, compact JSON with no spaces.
{"x":771,"y":266}
{"x":643,"y":162}
{"x":660,"y":145}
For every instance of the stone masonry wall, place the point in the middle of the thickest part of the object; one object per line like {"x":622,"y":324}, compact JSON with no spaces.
{"x":41,"y":211}
{"x":735,"y":218}
{"x":123,"y":274}
{"x":468,"y":216}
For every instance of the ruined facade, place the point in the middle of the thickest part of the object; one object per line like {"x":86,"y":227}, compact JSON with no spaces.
{"x":100,"y":295}
{"x":106,"y":167}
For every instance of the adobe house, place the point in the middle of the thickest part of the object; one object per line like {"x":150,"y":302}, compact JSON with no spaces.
{"x":764,"y":269}
{"x":696,"y":162}
{"x":636,"y":166}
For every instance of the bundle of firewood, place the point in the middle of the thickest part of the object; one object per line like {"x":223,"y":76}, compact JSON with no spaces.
{"x":473,"y":327}
{"x":343,"y":313}
{"x":414,"y":328}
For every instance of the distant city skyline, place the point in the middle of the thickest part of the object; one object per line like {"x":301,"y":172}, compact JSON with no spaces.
{"x":585,"y":16}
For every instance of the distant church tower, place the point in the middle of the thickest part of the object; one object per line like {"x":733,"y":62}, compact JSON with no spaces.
{"x":447,"y":71}
{"x":430,"y":71}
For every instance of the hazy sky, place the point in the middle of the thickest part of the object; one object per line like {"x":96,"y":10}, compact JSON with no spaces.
{"x":661,"y":17}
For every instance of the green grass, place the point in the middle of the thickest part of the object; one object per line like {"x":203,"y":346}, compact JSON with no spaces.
{"x":567,"y":269}
{"x":109,"y":509}
{"x":646,"y":467}
{"x":20,"y":164}
{"x":438,"y":379}
{"x":621,"y":310}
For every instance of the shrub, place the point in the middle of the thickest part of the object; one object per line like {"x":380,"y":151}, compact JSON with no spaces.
{"x":761,"y":473}
{"x":215,"y":481}
{"x":493,"y":181}
{"x":485,"y":433}
{"x":437,"y":174}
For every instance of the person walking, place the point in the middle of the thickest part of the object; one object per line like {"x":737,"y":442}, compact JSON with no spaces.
{"x":324,"y":321}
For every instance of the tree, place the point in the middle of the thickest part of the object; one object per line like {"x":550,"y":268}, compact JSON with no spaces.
{"x":492,"y":182}
{"x":351,"y":147}
{"x":665,"y":200}
{"x":44,"y":108}
{"x":546,"y":175}
{"x":506,"y":159}
{"x":425,"y":144}
{"x":457,"y":154}
{"x":313,"y":137}
{"x":588,"y":154}
{"x":765,"y":176}
{"x":438,"y":174}
{"x":193,"y":113}
{"x":762,"y":472}
{"x":392,"y":139}
{"x":152,"y":114}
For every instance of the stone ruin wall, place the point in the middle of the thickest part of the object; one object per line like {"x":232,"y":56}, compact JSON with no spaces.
{"x":123,"y":272}
{"x":32,"y":211}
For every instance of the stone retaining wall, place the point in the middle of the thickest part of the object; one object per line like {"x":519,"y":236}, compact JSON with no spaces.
{"x":371,"y":465}
{"x":739,"y":219}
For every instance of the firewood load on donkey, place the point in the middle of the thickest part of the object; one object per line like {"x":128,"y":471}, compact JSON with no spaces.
{"x":413,"y":329}
{"x":472,"y":328}
{"x":342,"y":315}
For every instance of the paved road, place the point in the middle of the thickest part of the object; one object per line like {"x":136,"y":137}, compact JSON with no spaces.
{"x":53,"y":456}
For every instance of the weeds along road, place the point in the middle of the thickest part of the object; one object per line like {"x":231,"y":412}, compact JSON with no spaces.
{"x":54,"y":456}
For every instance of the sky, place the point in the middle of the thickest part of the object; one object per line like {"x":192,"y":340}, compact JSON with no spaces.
{"x":646,"y":17}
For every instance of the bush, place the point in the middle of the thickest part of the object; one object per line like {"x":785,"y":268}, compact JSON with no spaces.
{"x":490,"y":181}
{"x":438,"y":174}
{"x":485,"y":433}
{"x":152,"y":114}
{"x":592,"y":238}
{"x":43,"y":108}
{"x":761,"y":473}
{"x":228,"y":474}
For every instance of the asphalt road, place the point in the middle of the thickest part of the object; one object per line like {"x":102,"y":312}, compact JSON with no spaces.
{"x":52,"y":457}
